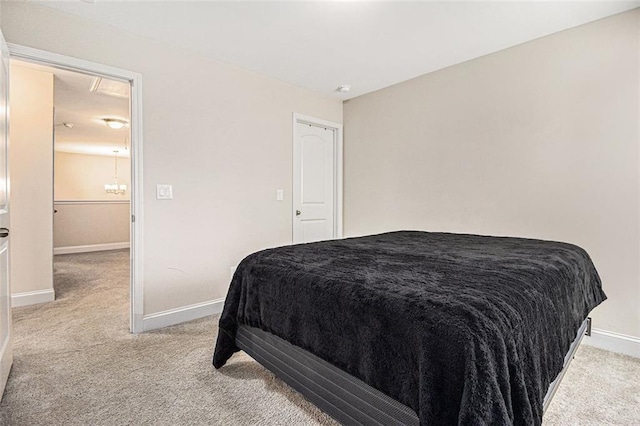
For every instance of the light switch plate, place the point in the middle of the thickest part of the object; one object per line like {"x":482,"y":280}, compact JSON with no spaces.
{"x":279,"y":194}
{"x":164,"y":192}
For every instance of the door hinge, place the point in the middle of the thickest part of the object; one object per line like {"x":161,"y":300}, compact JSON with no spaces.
{"x":133,"y":218}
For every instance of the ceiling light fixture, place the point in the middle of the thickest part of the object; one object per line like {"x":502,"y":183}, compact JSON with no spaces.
{"x":345,"y":88}
{"x":114,"y":123}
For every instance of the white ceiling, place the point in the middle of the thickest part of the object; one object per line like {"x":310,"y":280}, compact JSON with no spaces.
{"x":321,"y":45}
{"x":75,"y":103}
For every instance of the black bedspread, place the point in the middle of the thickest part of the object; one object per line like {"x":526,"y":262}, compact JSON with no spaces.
{"x":464,"y":329}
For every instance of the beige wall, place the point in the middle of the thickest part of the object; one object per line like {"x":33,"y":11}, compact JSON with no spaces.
{"x":540,"y":140}
{"x":86,"y":224}
{"x":82,"y":177}
{"x":31,"y":167}
{"x":220,"y":135}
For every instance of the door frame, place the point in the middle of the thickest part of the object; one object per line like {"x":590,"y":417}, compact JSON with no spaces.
{"x":69,"y":63}
{"x":337,"y":168}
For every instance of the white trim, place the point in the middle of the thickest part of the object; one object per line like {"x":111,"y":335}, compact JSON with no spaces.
{"x":136,"y":237}
{"x":69,"y":63}
{"x":32,"y":298}
{"x":338,"y":162}
{"x":306,"y":119}
{"x":183,"y":314}
{"x":78,"y":202}
{"x":90,"y":248}
{"x":614,"y":342}
{"x":135,"y":79}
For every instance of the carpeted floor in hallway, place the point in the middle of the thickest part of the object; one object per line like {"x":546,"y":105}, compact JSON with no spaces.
{"x":75,"y":363}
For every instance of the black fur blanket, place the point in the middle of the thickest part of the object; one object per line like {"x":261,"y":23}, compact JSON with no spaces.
{"x":464,"y":329}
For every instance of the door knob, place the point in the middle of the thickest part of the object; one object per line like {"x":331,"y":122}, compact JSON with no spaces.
{"x":4,"y":232}
{"x":298,"y":212}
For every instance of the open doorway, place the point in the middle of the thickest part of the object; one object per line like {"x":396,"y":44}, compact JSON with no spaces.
{"x":92,"y":171}
{"x":92,"y":167}
{"x":70,"y":134}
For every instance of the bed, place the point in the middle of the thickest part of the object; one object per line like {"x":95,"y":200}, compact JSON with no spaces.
{"x":414,"y":327}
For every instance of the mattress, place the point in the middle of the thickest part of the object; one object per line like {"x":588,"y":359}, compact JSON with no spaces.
{"x":460,"y":328}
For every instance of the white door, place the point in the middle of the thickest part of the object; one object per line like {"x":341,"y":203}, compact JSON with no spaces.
{"x":6,"y":356}
{"x":314,"y":150}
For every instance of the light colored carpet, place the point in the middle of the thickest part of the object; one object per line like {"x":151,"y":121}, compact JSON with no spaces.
{"x":76,"y":364}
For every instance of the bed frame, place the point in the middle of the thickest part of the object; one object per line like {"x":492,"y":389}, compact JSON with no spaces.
{"x":344,"y":397}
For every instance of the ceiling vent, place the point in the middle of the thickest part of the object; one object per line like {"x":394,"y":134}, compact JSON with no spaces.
{"x":110,"y":87}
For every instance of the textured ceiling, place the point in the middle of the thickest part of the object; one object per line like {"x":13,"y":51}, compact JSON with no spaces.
{"x":316,"y":45}
{"x":321,"y":45}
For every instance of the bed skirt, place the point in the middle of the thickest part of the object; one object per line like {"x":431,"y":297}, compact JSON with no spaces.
{"x":347,"y":399}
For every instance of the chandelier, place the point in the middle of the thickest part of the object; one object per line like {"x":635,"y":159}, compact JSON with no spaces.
{"x":115,"y":187}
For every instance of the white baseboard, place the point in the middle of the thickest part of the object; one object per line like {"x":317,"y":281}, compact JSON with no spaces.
{"x":32,"y":298}
{"x":180,"y":315}
{"x":614,"y":342}
{"x":90,"y":248}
